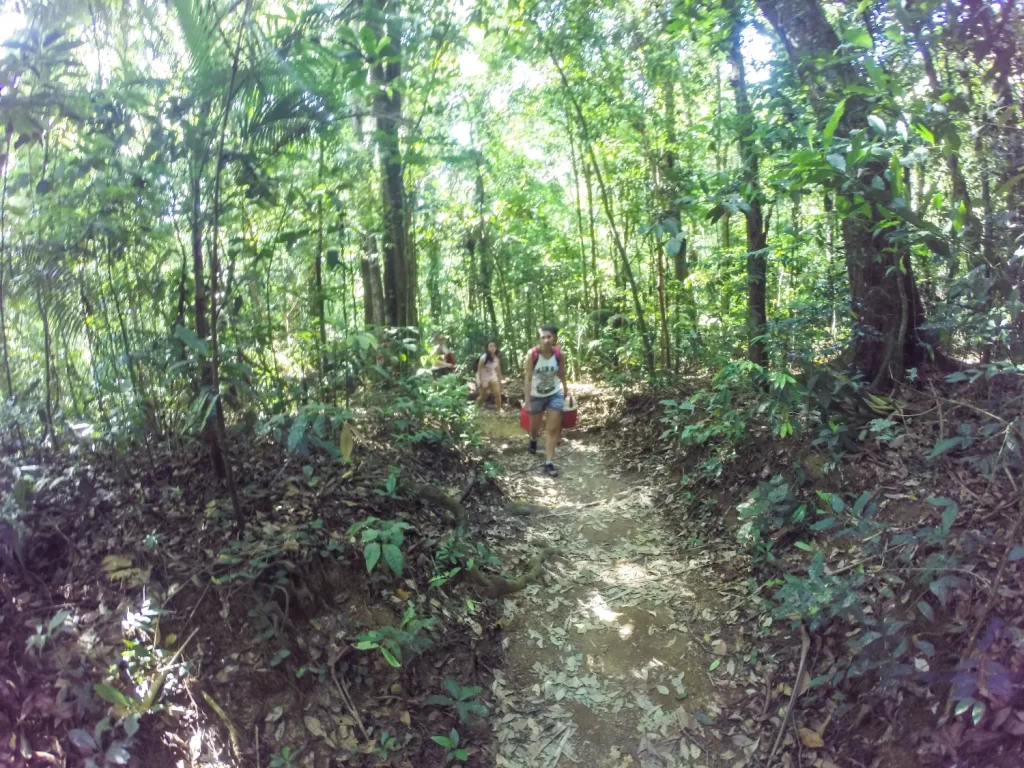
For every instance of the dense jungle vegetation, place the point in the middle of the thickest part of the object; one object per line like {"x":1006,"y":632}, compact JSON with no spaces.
{"x":783,"y":241}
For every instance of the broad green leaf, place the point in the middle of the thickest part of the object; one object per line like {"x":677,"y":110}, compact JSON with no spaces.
{"x":1017,"y":553}
{"x":393,"y":557}
{"x":877,"y":123}
{"x":803,"y":545}
{"x":833,"y":122}
{"x":1007,"y":185}
{"x":837,"y":161}
{"x":926,"y":610}
{"x":298,"y":430}
{"x":859,"y":37}
{"x":946,"y":445}
{"x":112,"y":695}
{"x":390,"y":657}
{"x":193,"y":342}
{"x":371,"y":553}
{"x":347,"y":441}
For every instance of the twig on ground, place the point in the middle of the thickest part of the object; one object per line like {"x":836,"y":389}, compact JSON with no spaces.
{"x":199,"y":601}
{"x":561,"y":746}
{"x":942,"y":421}
{"x":347,"y":698}
{"x":805,"y":647}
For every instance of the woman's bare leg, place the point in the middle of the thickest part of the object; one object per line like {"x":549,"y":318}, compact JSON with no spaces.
{"x":554,"y":430}
{"x":496,"y":391}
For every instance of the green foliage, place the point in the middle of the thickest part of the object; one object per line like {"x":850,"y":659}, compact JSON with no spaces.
{"x":453,"y":753}
{"x":408,"y":638}
{"x":461,"y":699}
{"x":285,"y":758}
{"x":381,"y":538}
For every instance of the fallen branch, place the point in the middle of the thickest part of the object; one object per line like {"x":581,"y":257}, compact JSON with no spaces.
{"x":236,"y":742}
{"x":805,"y":647}
{"x":347,"y":698}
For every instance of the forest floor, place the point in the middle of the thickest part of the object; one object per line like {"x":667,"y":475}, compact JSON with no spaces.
{"x":607,"y":657}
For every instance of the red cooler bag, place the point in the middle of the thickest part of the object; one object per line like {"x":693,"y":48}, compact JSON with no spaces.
{"x":569,"y":413}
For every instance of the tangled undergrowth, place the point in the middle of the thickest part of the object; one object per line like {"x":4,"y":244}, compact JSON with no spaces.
{"x":341,"y":619}
{"x":879,"y":541}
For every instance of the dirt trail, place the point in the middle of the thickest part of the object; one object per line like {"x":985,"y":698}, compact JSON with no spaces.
{"x":607,"y":657}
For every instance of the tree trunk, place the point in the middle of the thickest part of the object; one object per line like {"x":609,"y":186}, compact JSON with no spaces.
{"x":387,"y":111}
{"x":48,"y":430}
{"x":373,"y":291}
{"x":593,"y":234}
{"x":318,"y":297}
{"x":579,"y":215}
{"x":6,"y":160}
{"x":219,"y":425}
{"x":873,"y":261}
{"x":757,"y":235}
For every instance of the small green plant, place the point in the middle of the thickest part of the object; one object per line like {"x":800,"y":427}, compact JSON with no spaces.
{"x":44,"y":634}
{"x":390,"y":485}
{"x":285,"y":758}
{"x":408,"y":638}
{"x":386,"y":744}
{"x":769,"y":507}
{"x":381,"y":538}
{"x":453,"y":753}
{"x":461,"y":699}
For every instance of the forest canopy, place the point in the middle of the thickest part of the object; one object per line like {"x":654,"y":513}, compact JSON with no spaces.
{"x":675,"y":185}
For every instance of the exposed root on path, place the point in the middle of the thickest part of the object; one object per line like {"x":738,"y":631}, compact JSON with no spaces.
{"x":491,"y":585}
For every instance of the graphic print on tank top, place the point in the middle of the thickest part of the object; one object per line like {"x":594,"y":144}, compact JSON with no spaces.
{"x":545,"y":377}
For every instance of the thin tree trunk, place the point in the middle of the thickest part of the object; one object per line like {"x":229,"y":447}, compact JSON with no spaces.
{"x":221,"y":429}
{"x":579,"y":215}
{"x":387,"y":111}
{"x":593,"y":234}
{"x":3,"y":270}
{"x":47,"y":366}
{"x":318,"y":299}
{"x":757,"y":235}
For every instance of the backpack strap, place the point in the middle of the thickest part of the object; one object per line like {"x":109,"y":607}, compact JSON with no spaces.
{"x":535,"y":353}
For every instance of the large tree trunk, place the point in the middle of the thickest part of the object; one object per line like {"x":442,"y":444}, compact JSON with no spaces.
{"x":387,"y":112}
{"x":373,"y":290}
{"x":757,"y":233}
{"x":886,"y":303}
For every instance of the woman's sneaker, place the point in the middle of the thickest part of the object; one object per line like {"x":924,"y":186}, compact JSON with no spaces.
{"x":551,"y":469}
{"x":533,"y":446}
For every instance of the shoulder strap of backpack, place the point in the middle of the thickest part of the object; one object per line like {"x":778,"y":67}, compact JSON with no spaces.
{"x":535,"y":354}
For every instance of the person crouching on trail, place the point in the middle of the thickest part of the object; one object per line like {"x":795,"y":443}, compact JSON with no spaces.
{"x":488,"y":375}
{"x":545,"y":369}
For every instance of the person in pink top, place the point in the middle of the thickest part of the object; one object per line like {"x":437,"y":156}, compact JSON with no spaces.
{"x":488,"y":375}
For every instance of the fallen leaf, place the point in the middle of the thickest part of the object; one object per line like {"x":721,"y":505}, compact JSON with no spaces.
{"x":406,"y":719}
{"x":811,"y":739}
{"x":313,"y":726}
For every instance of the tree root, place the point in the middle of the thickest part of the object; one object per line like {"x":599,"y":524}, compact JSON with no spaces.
{"x":491,"y":586}
{"x":499,"y":586}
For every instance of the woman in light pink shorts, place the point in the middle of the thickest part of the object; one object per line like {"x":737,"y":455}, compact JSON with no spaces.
{"x":488,"y":375}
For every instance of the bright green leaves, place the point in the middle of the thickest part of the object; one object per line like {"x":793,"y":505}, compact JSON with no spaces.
{"x":859,"y":37}
{"x":382,"y":538}
{"x":833,"y":123}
